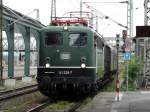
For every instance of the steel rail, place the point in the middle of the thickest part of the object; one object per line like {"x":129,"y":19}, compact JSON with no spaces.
{"x":5,"y":95}
{"x":39,"y":107}
{"x":74,"y":107}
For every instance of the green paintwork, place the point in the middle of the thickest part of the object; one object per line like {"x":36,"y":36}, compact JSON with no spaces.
{"x":10,"y":34}
{"x":24,"y":26}
{"x":75,"y":52}
{"x":25,"y":31}
{"x":27,"y":52}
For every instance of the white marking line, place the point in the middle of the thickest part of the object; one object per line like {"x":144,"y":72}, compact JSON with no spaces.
{"x":67,"y":67}
{"x":120,"y":96}
{"x":145,"y":92}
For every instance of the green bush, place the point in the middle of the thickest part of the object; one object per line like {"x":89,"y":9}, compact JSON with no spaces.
{"x":134,"y":67}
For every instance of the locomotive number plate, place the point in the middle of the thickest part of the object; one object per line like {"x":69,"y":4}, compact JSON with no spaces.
{"x":65,"y":56}
{"x":64,"y":72}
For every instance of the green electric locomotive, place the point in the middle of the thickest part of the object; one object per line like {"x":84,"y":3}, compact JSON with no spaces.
{"x":72,"y":57}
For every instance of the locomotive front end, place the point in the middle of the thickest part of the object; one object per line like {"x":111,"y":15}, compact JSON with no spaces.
{"x":66,"y":57}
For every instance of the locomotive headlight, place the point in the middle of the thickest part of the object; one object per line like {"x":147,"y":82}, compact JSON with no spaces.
{"x":83,"y":65}
{"x":47,"y":59}
{"x":83,"y":61}
{"x":47,"y":65}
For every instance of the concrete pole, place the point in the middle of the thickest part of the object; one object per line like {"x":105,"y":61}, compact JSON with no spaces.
{"x":53,"y":9}
{"x":130,"y":19}
{"x":146,"y":12}
{"x":81,"y":1}
{"x":1,"y":52}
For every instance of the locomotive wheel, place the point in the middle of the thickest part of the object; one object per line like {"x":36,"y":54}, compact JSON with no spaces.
{"x":94,"y":88}
{"x":44,"y":86}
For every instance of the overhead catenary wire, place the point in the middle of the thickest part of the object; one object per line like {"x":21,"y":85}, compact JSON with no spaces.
{"x":73,"y":4}
{"x":102,"y":15}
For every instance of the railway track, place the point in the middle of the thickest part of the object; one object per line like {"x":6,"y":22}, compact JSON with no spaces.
{"x":5,"y":95}
{"x":39,"y":107}
{"x":74,"y":107}
{"x":42,"y":106}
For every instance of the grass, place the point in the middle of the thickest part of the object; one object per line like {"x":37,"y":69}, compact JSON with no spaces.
{"x":20,"y":104}
{"x":87,"y":100}
{"x":131,"y":86}
{"x":110,"y":87}
{"x":60,"y":105}
{"x":122,"y":78}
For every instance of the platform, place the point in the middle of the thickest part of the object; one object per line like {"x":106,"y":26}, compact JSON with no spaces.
{"x":133,"y":102}
{"x":138,"y":101}
{"x":101,"y":103}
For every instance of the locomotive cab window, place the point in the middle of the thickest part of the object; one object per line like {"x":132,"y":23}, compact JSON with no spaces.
{"x":77,"y":39}
{"x":53,"y":39}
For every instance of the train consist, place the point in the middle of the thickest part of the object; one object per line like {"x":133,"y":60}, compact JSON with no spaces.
{"x":73,"y":58}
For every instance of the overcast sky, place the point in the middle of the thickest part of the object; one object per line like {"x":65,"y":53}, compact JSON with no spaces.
{"x":116,"y":11}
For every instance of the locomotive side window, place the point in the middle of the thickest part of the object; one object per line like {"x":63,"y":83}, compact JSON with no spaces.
{"x":53,"y":39}
{"x":77,"y":39}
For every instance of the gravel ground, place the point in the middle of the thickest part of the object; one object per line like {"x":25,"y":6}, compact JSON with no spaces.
{"x":21,"y":103}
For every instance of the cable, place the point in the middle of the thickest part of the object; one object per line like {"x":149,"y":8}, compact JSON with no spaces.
{"x":105,"y":16}
{"x":105,"y":27}
{"x":75,"y":6}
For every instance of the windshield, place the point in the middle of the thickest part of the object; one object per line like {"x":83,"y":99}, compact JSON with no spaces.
{"x":53,"y":38}
{"x":77,"y":39}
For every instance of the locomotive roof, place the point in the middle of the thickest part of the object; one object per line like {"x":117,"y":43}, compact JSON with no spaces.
{"x":70,"y":28}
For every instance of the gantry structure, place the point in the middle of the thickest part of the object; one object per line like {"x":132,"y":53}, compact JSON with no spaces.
{"x":18,"y":32}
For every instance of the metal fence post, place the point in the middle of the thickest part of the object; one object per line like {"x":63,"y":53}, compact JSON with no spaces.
{"x":127,"y":77}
